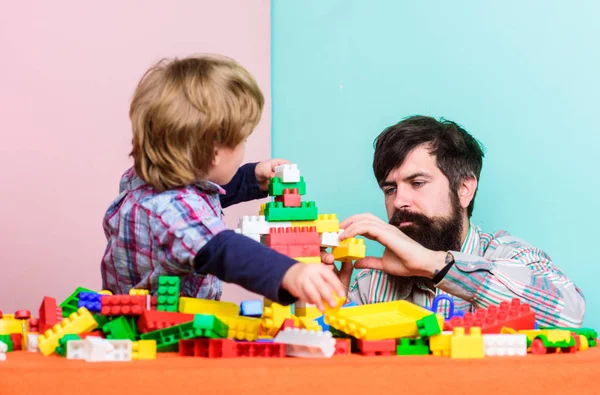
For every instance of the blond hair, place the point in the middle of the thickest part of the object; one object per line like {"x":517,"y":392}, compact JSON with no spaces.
{"x":183,"y":109}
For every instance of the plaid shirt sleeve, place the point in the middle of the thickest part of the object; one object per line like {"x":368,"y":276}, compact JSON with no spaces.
{"x":512,"y":268}
{"x":182,"y":228}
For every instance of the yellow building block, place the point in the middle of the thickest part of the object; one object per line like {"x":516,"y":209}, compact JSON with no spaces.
{"x":209,"y":307}
{"x":324,"y":223}
{"x":349,"y":249}
{"x":583,"y":343}
{"x":273,"y":316}
{"x":440,"y":344}
{"x":143,"y":349}
{"x":389,"y":320}
{"x":466,"y":346}
{"x":308,"y":259}
{"x":311,"y":312}
{"x":10,"y":325}
{"x":264,"y":337}
{"x":302,"y":224}
{"x":105,"y":292}
{"x":310,"y":324}
{"x":261,"y":211}
{"x":241,"y":328}
{"x":79,"y":322}
{"x":138,"y":292}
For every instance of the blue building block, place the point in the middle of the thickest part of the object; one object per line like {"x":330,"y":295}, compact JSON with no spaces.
{"x":251,"y":308}
{"x":91,"y":301}
{"x":321,"y":320}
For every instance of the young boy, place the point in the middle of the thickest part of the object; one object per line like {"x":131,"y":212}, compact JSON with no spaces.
{"x":190,"y":120}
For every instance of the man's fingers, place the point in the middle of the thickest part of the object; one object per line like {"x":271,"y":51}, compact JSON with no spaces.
{"x":369,"y":262}
{"x":355,"y":218}
{"x":326,"y":257}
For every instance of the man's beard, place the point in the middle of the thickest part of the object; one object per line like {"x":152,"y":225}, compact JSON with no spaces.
{"x":437,"y":233}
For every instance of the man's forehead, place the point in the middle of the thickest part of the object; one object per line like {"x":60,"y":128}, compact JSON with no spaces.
{"x":418,"y":161}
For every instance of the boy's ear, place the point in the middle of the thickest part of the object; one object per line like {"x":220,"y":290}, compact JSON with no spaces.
{"x":216,"y":159}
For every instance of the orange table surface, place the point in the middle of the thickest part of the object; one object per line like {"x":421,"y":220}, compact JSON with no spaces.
{"x":27,"y":373}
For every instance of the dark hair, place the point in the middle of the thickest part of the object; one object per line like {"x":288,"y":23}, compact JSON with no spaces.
{"x":458,"y":154}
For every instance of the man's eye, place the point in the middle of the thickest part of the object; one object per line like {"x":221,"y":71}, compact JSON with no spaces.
{"x":389,"y":191}
{"x":418,"y":184}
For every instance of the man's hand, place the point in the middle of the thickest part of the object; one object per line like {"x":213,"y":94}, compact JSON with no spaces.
{"x":402,"y":256}
{"x":266,"y":170}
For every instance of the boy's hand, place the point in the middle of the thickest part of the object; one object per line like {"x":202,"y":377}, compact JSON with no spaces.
{"x":344,"y":273}
{"x":266,"y":170}
{"x":313,"y":283}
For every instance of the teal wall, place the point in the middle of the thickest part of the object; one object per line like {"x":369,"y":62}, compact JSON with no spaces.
{"x":521,"y":76}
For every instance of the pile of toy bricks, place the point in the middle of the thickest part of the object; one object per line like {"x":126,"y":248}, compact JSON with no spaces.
{"x":98,"y":326}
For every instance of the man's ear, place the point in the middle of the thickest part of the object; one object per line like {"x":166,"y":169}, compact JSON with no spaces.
{"x":466,"y":191}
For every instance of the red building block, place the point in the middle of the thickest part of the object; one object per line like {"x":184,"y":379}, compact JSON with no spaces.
{"x":294,"y":251}
{"x":17,"y":341}
{"x":152,"y":320}
{"x":290,"y":198}
{"x":50,"y":314}
{"x":342,"y":347}
{"x":287,"y":323}
{"x":515,"y":315}
{"x":124,"y":304}
{"x":293,"y":236}
{"x":34,"y":325}
{"x":93,"y":333}
{"x":376,"y":347}
{"x":207,"y":348}
{"x":259,"y":349}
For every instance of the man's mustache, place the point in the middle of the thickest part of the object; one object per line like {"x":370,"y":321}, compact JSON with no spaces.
{"x":400,"y":216}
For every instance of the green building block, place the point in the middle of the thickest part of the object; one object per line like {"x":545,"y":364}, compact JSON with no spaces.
{"x":168,"y":293}
{"x":70,"y":305}
{"x":276,"y":187}
{"x":202,"y":326}
{"x":7,"y":340}
{"x":101,"y":319}
{"x":592,"y":343}
{"x":589,"y":333}
{"x":408,"y":346}
{"x":62,"y":343}
{"x":275,"y":211}
{"x":429,"y":326}
{"x":121,"y":328}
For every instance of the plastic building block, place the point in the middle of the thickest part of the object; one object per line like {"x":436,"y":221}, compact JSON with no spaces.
{"x":143,"y":349}
{"x":6,"y":339}
{"x":168,"y":293}
{"x":429,"y":325}
{"x":440,"y":344}
{"x":589,"y":333}
{"x":543,"y":341}
{"x":257,"y":224}
{"x":310,"y":312}
{"x":32,"y":342}
{"x":78,"y":322}
{"x":321,"y":322}
{"x":275,"y":211}
{"x":138,"y":292}
{"x":17,"y":340}
{"x":307,"y":259}
{"x":298,"y":250}
{"x":101,"y":319}
{"x":376,"y":347}
{"x":408,"y":346}
{"x":267,"y":339}
{"x":290,"y":198}
{"x":62,"y":343}
{"x":95,"y":349}
{"x":205,"y":306}
{"x":287,"y":323}
{"x":8,"y":325}
{"x":241,"y":328}
{"x":310,"y":324}
{"x":328,"y":223}
{"x":273,"y":316}
{"x":152,"y":320}
{"x":435,"y":306}
{"x":96,"y":333}
{"x":464,"y":346}
{"x":261,"y":210}
{"x":3,"y":351}
{"x":202,"y":326}
{"x":292,"y":236}
{"x":349,"y":249}
{"x":389,"y":320}
{"x":71,"y":304}
{"x":91,"y":301}
{"x":208,"y":348}
{"x":583,"y":343}
{"x":121,"y":328}
{"x":331,"y":239}
{"x":513,"y":315}
{"x":505,"y":345}
{"x":260,"y":349}
{"x":253,"y":236}
{"x":34,"y":324}
{"x":288,"y":173}
{"x":123,"y":304}
{"x":276,"y":186}
{"x":251,"y":308}
{"x":105,"y":292}
{"x":342,"y":347}
{"x":306,"y":344}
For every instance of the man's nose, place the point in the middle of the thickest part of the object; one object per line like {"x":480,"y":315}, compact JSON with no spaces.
{"x":401,"y":200}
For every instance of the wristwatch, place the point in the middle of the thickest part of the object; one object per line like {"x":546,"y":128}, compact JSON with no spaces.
{"x":439,"y":276}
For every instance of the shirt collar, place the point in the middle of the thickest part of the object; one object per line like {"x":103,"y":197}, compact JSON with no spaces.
{"x":210,"y":187}
{"x":471,"y":242}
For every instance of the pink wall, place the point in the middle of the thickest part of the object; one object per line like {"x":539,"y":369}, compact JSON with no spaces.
{"x":67,"y":72}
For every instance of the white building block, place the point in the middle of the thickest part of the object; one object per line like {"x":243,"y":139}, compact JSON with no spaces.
{"x":251,"y":225}
{"x":505,"y":345}
{"x":331,"y":239}
{"x":32,"y":342}
{"x":96,"y":349}
{"x":306,"y":344}
{"x":288,"y":173}
{"x":3,"y":349}
{"x":253,"y":236}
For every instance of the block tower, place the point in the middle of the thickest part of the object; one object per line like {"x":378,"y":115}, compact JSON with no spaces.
{"x":295,"y":228}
